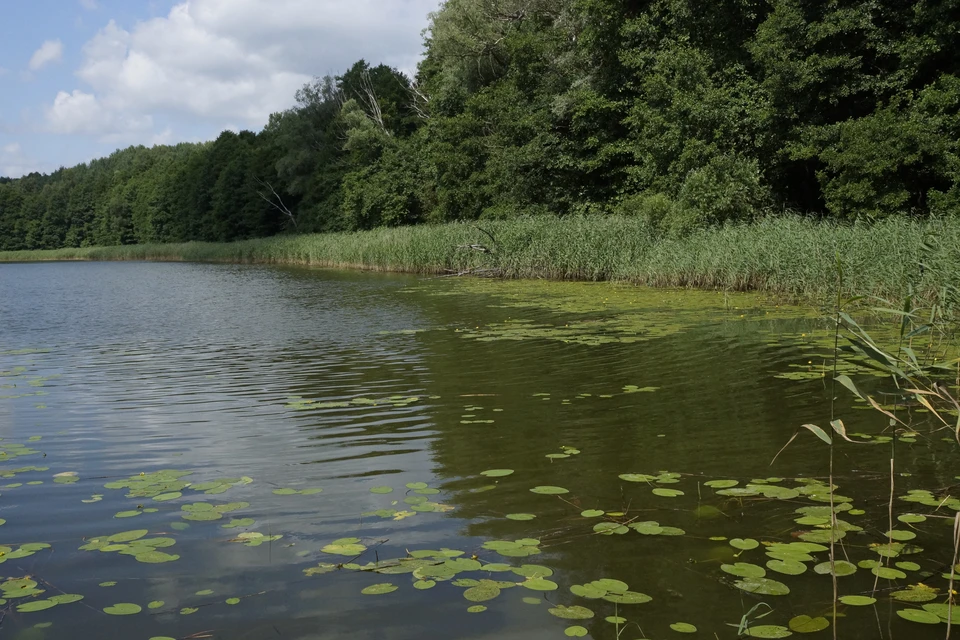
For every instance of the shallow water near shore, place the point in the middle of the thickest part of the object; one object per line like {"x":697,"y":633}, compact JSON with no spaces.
{"x":246,"y":452}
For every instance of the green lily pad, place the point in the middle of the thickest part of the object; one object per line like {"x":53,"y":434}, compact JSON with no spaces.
{"x":592,"y":513}
{"x":549,"y":490}
{"x":900,"y":536}
{"x":379,"y":589}
{"x":123,"y":609}
{"x":540,"y":584}
{"x":482,"y":593}
{"x":919,"y":615}
{"x":575,"y":612}
{"x":186,"y":611}
{"x":41,"y":605}
{"x":857,"y":601}
{"x":763,"y":586}
{"x":628,"y":597}
{"x":806,"y":624}
{"x":721,"y":484}
{"x":495,"y":473}
{"x":529,"y":600}
{"x":575,"y":631}
{"x":520,"y":516}
{"x":744,"y":544}
{"x":667,"y":493}
{"x":768,"y":632}
{"x":683,"y":627}
{"x":787,"y":566}
{"x":842,"y":568}
{"x":888,"y":573}
{"x":636,"y":477}
{"x":155,"y":557}
{"x":232,"y":601}
{"x":477,"y":608}
{"x":616,"y":620}
{"x":66,"y":598}
{"x":423,"y":585}
{"x":344,"y":547}
{"x":156,"y":604}
{"x":381,"y":490}
{"x":743,"y":570}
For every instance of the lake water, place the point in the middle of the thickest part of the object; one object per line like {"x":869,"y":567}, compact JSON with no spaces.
{"x":165,"y":429}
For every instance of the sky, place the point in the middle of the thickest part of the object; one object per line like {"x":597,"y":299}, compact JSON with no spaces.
{"x":82,"y":78}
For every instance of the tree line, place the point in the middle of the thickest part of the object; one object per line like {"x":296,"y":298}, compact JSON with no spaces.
{"x":684,"y":112}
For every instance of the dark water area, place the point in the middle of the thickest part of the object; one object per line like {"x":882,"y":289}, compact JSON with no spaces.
{"x":238,"y":392}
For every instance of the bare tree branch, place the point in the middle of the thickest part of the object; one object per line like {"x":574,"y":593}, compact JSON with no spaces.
{"x":278,"y":205}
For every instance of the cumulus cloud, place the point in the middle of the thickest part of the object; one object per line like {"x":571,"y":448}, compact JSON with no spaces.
{"x":14,"y":163}
{"x":89,"y":5}
{"x":49,"y":52}
{"x":236,"y":61}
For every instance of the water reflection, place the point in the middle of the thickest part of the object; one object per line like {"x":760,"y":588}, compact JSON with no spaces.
{"x":307,"y":378}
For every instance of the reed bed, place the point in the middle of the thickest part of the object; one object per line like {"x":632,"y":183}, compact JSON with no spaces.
{"x":790,"y":256}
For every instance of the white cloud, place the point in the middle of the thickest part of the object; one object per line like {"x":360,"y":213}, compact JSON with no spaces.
{"x":80,"y":112}
{"x":50,"y":51}
{"x":89,"y":5}
{"x":235,"y":61}
{"x":14,"y":163}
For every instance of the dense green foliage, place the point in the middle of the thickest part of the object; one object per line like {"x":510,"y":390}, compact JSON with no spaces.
{"x":683,"y":113}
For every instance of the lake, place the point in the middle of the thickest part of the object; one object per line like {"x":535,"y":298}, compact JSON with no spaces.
{"x":247,"y":452}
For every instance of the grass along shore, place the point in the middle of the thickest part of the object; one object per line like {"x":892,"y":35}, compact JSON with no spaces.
{"x":788,"y":256}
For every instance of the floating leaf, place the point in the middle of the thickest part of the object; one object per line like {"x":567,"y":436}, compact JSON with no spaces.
{"x":549,"y":490}
{"x":763,"y":586}
{"x":477,"y":608}
{"x":520,"y":516}
{"x":591,"y":513}
{"x":575,"y":631}
{"x":806,"y":624}
{"x":721,"y":484}
{"x":575,"y":612}
{"x":743,"y":570}
{"x":919,"y":615}
{"x":857,"y":601}
{"x":540,"y":584}
{"x":381,"y":490}
{"x":186,"y":611}
{"x":123,"y":609}
{"x":636,"y":477}
{"x":787,"y":566}
{"x":379,"y":589}
{"x":344,"y":547}
{"x":232,"y":601}
{"x":683,"y":627}
{"x":615,"y":620}
{"x":842,"y":568}
{"x":667,"y":493}
{"x":768,"y":631}
{"x":156,"y":604}
{"x":888,"y":573}
{"x":744,"y":544}
{"x":482,"y":592}
{"x":41,"y":605}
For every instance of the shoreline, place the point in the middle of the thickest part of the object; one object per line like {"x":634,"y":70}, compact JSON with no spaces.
{"x":793,"y":257}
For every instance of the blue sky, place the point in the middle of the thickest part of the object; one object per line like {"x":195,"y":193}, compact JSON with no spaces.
{"x":81,"y":78}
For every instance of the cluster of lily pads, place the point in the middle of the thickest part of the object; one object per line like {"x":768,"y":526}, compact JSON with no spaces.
{"x":17,"y":589}
{"x":134,"y":543}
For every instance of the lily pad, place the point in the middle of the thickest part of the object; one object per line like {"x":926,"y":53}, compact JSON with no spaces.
{"x":123,"y":609}
{"x":806,"y":624}
{"x":667,"y":493}
{"x":763,"y":586}
{"x":919,"y":615}
{"x":858,"y":601}
{"x":575,"y":612}
{"x":768,"y":632}
{"x":549,"y":490}
{"x":482,"y":593}
{"x":520,"y":516}
{"x":743,"y":570}
{"x":683,"y":627}
{"x":381,"y":490}
{"x":379,"y":589}
{"x":744,"y":544}
{"x":575,"y":631}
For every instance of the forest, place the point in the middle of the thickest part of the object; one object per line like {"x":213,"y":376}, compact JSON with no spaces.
{"x":683,"y":113}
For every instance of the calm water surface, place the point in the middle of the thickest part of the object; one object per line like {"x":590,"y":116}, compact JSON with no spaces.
{"x":263,"y":380}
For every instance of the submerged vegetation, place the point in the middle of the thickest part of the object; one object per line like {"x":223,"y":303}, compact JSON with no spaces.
{"x":789,"y":256}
